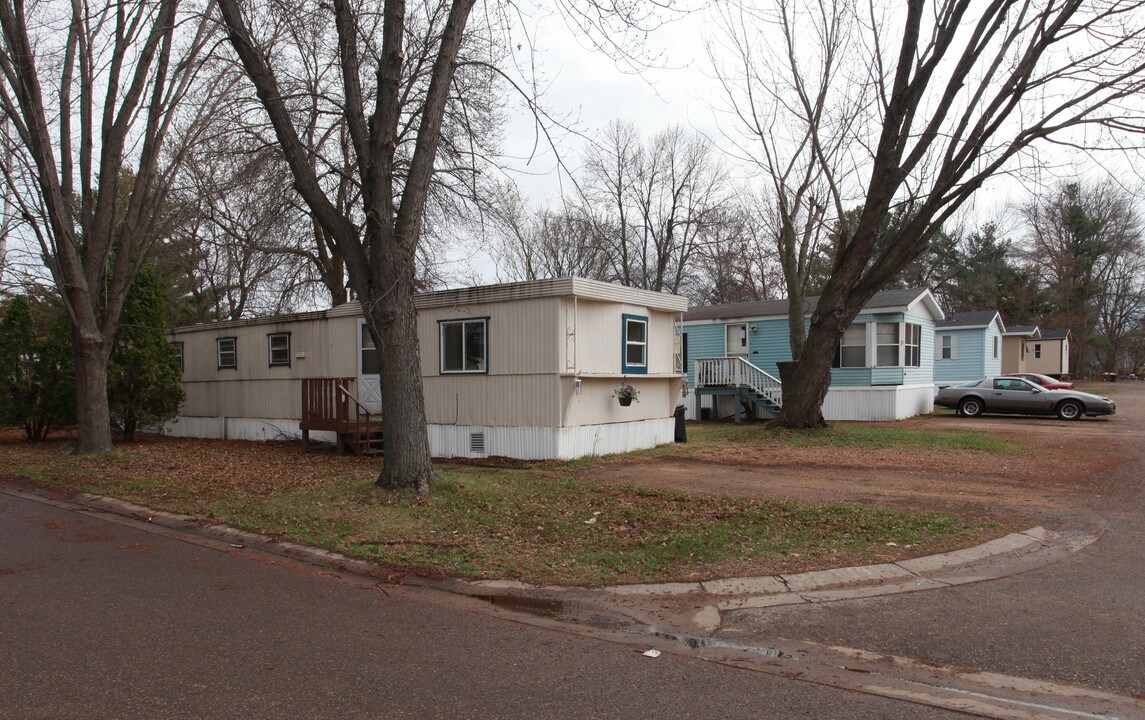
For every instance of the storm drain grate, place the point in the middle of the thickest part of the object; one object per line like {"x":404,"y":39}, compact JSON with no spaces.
{"x":477,"y":443}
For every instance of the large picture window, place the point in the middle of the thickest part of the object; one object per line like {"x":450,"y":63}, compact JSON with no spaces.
{"x":853,"y":348}
{"x":278,"y":349}
{"x":635,"y":344}
{"x":464,"y":346}
{"x":227,"y":353}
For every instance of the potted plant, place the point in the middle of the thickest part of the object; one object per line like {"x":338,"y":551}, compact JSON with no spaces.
{"x":627,"y":394}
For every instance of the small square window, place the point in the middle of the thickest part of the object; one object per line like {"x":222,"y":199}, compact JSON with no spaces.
{"x":635,"y":344}
{"x":278,"y":349}
{"x":227,"y":353}
{"x":177,"y":351}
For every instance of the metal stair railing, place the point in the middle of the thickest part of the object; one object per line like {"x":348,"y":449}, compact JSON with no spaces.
{"x":738,"y":372}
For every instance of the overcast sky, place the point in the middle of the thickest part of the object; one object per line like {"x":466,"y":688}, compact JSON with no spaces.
{"x":589,"y":89}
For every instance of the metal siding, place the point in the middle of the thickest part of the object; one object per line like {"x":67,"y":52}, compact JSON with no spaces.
{"x":704,"y":341}
{"x":543,"y":443}
{"x":850,"y":377}
{"x":329,"y":346}
{"x":878,"y":404}
{"x":887,"y":375}
{"x":1012,"y":354}
{"x":991,"y":365}
{"x":524,"y":335}
{"x":1050,"y":363}
{"x":494,"y":400}
{"x":586,"y":440}
{"x":924,"y":373}
{"x":598,"y":333}
{"x":599,"y":329}
{"x":768,"y":345}
{"x":597,"y":403}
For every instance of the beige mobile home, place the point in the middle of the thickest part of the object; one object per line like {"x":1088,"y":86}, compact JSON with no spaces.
{"x":526,"y":370}
{"x":1048,"y":353}
{"x":1014,"y":342}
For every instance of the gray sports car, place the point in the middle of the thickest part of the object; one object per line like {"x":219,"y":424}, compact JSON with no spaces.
{"x":1019,"y":396}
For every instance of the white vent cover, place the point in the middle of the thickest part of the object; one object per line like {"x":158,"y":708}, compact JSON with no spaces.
{"x":477,"y":443}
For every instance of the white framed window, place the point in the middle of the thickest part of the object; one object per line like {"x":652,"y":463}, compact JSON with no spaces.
{"x":912,"y":345}
{"x":368,"y":360}
{"x":634,"y":344}
{"x":996,"y":339}
{"x":227,"y":351}
{"x":278,"y":349}
{"x":947,"y":348}
{"x":852,"y":348}
{"x":464,"y":346}
{"x":887,"y":345}
{"x":177,"y":351}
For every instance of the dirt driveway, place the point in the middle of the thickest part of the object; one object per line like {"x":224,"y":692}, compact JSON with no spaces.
{"x":1063,"y":467}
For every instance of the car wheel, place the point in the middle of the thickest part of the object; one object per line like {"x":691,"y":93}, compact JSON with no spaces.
{"x":1070,"y":410}
{"x":970,"y":407}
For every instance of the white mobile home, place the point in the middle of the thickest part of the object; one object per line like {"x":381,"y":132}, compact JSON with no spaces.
{"x":526,"y":370}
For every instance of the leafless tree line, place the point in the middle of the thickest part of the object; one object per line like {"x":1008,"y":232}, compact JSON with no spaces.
{"x":333,"y":142}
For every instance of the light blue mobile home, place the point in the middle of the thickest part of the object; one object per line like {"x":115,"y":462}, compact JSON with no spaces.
{"x":968,"y":346}
{"x":882,"y":369}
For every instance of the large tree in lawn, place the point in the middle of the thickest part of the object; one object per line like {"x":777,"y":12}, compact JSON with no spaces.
{"x":380,"y":252}
{"x":90,"y":93}
{"x":964,"y":91}
{"x":401,"y":103}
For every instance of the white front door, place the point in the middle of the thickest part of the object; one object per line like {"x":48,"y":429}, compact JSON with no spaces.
{"x":736,"y":341}
{"x":369,"y":381}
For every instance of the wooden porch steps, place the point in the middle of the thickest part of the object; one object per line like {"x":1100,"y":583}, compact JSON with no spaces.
{"x":328,"y":405}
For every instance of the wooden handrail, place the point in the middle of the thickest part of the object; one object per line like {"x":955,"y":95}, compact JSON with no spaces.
{"x":362,"y":409}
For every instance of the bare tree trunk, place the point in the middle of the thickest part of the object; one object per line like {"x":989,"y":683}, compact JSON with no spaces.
{"x":407,"y":463}
{"x":93,"y":418}
{"x":804,"y":392}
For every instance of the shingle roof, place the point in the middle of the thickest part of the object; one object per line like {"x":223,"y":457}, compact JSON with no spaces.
{"x":1055,"y":333}
{"x":972,"y":318}
{"x":770,"y":308}
{"x":1021,"y":329}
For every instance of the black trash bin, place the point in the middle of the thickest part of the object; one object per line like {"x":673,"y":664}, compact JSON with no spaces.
{"x":681,"y":431}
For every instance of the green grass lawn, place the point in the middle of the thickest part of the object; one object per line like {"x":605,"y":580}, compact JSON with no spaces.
{"x":543,"y":523}
{"x":839,"y":434}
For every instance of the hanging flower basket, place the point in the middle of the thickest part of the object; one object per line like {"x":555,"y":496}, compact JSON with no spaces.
{"x":626,"y":395}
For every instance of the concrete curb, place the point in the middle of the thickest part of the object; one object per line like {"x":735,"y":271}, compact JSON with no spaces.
{"x":1005,"y":556}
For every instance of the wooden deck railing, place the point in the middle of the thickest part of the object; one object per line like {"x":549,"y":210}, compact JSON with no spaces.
{"x":328,"y":404}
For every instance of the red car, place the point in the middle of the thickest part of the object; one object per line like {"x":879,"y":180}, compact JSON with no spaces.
{"x":1044,"y":380}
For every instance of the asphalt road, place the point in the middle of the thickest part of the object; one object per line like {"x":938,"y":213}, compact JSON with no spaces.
{"x":1079,"y":621}
{"x":102,"y":617}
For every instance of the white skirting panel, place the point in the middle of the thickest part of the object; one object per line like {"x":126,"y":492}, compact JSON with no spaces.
{"x":525,"y":443}
{"x":229,"y":428}
{"x":544,"y":443}
{"x":896,"y":402}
